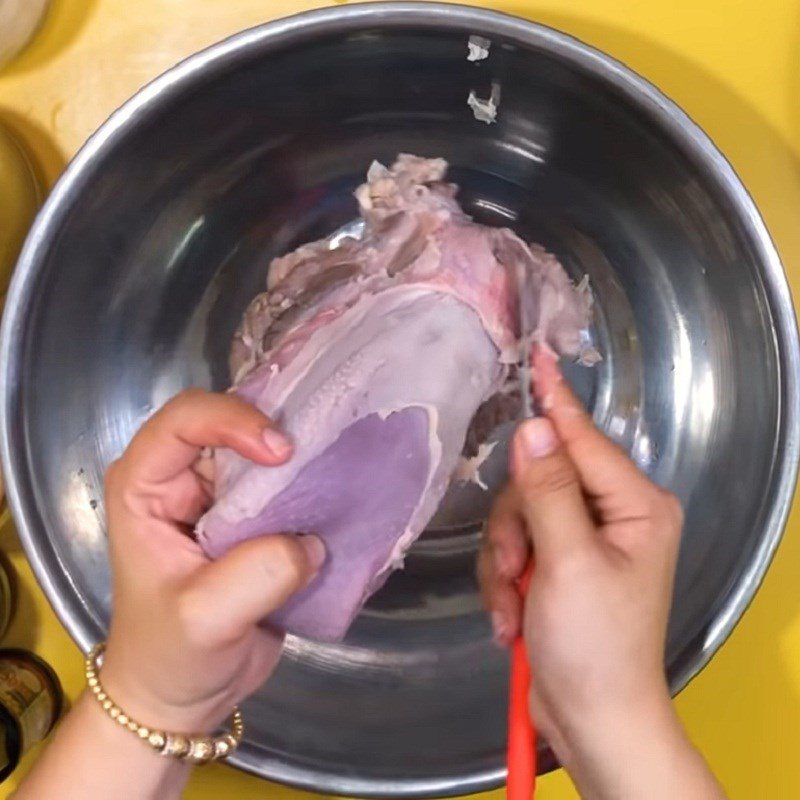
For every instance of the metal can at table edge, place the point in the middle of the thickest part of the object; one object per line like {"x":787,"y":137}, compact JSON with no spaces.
{"x":31,"y":701}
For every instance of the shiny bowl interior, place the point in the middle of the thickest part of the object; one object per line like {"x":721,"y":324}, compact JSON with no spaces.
{"x":149,"y":249}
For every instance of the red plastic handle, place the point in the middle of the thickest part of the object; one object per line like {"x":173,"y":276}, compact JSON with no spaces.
{"x":521,"y":734}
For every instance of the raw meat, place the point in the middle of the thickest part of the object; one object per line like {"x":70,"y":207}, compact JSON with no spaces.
{"x":374,"y":354}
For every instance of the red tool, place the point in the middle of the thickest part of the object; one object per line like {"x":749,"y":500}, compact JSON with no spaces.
{"x":521,"y":734}
{"x":521,"y":782}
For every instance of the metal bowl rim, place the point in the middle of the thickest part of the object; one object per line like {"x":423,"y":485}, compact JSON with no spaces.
{"x":292,"y":30}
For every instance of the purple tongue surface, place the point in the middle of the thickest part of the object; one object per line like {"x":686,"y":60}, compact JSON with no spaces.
{"x":359,"y":496}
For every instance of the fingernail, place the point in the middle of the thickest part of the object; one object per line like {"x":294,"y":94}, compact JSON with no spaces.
{"x":501,"y":628}
{"x":280,"y":446}
{"x":503,"y":562}
{"x":537,"y":438}
{"x":315,"y":550}
{"x":547,"y":371}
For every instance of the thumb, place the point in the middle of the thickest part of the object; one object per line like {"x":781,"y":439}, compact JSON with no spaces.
{"x":230,"y":595}
{"x":552,"y":499}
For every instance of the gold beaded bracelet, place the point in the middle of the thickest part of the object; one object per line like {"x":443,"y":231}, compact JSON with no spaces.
{"x":192,"y":749}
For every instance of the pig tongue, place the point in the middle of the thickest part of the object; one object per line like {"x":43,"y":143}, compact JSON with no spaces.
{"x":363,"y":509}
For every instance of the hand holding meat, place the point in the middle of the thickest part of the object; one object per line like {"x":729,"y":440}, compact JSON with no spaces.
{"x":184,"y":645}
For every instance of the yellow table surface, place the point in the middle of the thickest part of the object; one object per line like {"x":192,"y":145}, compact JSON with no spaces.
{"x":734,"y":65}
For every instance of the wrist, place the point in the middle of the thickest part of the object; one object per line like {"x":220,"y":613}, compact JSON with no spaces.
{"x":578,"y":721}
{"x":91,"y":756}
{"x":131,"y":690}
{"x":620,"y":752}
{"x":114,"y":737}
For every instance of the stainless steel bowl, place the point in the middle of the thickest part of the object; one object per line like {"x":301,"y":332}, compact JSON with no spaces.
{"x":139,"y":267}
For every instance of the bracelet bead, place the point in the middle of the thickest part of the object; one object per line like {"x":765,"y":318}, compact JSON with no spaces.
{"x":198,"y":749}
